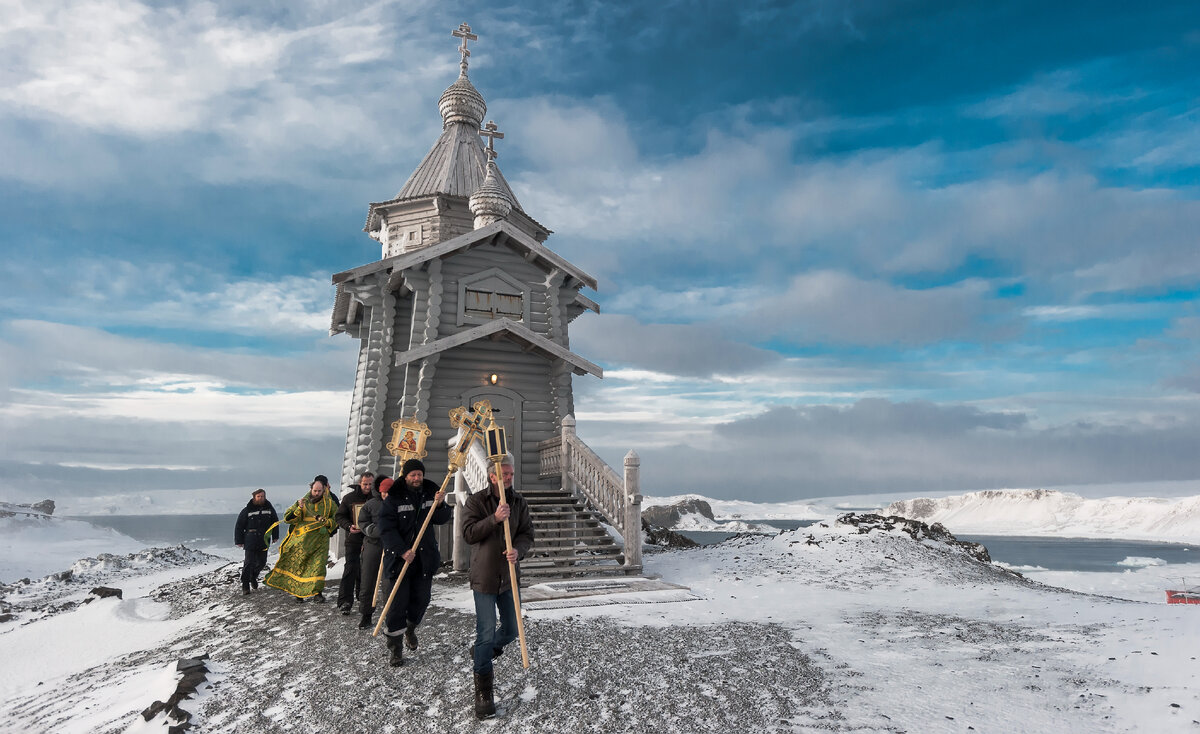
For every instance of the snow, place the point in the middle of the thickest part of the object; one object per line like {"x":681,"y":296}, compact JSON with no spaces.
{"x":818,"y":629}
{"x":35,"y":546}
{"x":742,"y":510}
{"x":1062,"y":514}
{"x":1031,"y":512}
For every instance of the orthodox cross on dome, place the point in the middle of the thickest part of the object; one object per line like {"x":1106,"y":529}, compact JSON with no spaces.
{"x":464,"y":32}
{"x":491,"y":132}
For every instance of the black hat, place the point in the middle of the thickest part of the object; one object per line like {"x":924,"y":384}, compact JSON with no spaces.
{"x":410,"y":466}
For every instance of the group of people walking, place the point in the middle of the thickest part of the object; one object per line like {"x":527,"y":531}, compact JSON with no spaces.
{"x":382,"y":518}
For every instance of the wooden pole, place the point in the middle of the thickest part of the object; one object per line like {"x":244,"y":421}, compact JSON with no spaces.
{"x":417,"y":542}
{"x":512,"y":569}
{"x":378,"y":582}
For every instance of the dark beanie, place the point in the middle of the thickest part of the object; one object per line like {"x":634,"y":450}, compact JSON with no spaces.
{"x":410,"y":466}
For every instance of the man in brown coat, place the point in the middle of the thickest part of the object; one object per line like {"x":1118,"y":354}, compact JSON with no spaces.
{"x":483,"y":528}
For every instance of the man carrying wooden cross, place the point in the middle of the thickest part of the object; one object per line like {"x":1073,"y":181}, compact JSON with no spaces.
{"x":483,"y":528}
{"x":399,"y":521}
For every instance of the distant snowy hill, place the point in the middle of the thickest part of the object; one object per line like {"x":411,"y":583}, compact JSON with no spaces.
{"x":1062,"y":514}
{"x":32,"y":546}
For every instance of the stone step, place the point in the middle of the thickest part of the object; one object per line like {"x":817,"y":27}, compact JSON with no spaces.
{"x":546,"y":573}
{"x":563,"y":517}
{"x":581,"y":551}
{"x":586,"y":532}
{"x":534,"y":561}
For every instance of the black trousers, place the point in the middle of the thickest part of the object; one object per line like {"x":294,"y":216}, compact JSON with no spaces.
{"x":348,"y":588}
{"x":372,"y":554}
{"x":256,"y":558}
{"x":412,"y":599}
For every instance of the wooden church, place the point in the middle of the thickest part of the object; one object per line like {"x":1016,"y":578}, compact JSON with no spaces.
{"x":466,"y":303}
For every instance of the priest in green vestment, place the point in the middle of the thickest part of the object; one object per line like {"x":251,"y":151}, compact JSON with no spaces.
{"x":300,"y":570}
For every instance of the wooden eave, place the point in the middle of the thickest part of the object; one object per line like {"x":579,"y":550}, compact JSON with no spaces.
{"x":504,"y":328}
{"x":503,"y":230}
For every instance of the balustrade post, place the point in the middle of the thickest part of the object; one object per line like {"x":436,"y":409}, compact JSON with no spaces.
{"x":568,"y":437}
{"x":462,"y":552}
{"x":632,"y":532}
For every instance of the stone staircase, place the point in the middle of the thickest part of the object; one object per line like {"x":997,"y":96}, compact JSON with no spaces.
{"x":569,"y":539}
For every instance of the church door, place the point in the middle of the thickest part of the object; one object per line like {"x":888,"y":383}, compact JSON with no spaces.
{"x":506,"y":408}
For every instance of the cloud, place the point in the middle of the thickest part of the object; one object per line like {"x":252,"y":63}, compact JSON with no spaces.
{"x":89,"y":359}
{"x":825,"y":306}
{"x":214,"y":92}
{"x":677,"y":349}
{"x":882,"y":446}
{"x":1048,"y":94}
{"x":172,"y":295}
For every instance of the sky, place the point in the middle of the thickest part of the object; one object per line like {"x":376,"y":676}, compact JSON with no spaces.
{"x":841,"y":247}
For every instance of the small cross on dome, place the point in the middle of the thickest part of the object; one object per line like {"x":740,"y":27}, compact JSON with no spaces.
{"x":491,"y":132}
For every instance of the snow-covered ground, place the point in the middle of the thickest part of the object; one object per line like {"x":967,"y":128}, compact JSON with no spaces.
{"x":1033,"y":512}
{"x":1059,"y":514}
{"x":818,"y":629}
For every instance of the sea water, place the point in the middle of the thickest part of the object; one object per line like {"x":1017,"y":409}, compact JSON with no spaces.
{"x":194,"y":531}
{"x":1052,"y":554}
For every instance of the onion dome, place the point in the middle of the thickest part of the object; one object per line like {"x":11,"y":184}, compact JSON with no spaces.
{"x":462,"y":102}
{"x":491,"y":201}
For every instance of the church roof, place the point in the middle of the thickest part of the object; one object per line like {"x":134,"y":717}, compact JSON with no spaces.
{"x":456,"y":166}
{"x":501,"y":232}
{"x":504,"y":328}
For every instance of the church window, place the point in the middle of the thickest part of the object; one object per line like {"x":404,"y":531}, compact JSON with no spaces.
{"x":492,"y":294}
{"x":411,"y":238}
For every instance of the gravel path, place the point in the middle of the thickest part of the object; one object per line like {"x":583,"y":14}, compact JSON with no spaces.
{"x":282,"y":666}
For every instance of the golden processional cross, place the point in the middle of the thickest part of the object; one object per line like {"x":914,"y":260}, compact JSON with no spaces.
{"x":472,"y":426}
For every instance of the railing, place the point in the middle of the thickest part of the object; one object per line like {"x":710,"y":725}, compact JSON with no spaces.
{"x":618,"y":498}
{"x":474,"y":474}
{"x":470,"y":479}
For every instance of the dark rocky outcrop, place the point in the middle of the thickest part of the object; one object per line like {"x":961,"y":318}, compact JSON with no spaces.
{"x":664,"y":537}
{"x":665,"y":516}
{"x":105,"y":592}
{"x":915,"y":529}
{"x":194,"y":672}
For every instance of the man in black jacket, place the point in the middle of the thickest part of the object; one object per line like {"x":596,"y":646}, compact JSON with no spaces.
{"x":372,"y":552}
{"x":483,"y":528}
{"x":249,"y":532}
{"x":400,"y":519}
{"x":351,"y":504}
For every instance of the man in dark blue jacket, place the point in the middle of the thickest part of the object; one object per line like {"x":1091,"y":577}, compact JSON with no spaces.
{"x":400,"y":519}
{"x":252,"y":524}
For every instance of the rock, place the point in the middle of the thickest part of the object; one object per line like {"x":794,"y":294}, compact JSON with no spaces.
{"x":46,"y":506}
{"x":915,"y":529}
{"x":666,"y":538}
{"x":106,"y":591}
{"x":665,"y":516}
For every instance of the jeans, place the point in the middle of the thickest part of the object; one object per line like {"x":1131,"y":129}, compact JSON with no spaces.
{"x":487,"y":636}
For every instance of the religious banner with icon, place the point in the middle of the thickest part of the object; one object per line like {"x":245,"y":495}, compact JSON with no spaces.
{"x":408,"y":439}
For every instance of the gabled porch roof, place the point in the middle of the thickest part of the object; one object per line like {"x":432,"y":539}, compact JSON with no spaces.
{"x":504,"y":329}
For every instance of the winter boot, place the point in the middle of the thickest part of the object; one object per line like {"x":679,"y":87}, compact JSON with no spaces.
{"x":254,"y":583}
{"x":396,"y":659}
{"x":365,"y":622}
{"x":410,"y":636}
{"x":245,"y":588}
{"x":485,"y":707}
